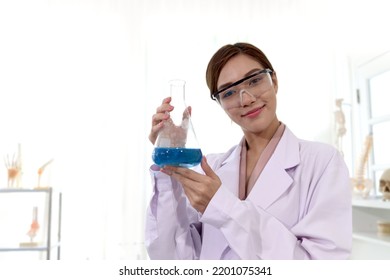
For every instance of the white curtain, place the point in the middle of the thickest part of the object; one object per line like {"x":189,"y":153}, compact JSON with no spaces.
{"x":79,"y":81}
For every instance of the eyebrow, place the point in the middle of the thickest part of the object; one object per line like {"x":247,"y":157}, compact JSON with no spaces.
{"x":246,"y":75}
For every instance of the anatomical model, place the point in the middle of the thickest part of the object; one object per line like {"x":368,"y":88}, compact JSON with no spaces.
{"x":384,"y":184}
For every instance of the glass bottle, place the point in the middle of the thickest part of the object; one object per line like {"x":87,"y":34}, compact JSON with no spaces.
{"x":176,"y":143}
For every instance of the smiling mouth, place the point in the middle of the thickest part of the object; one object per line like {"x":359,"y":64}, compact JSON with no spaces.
{"x":254,"y":111}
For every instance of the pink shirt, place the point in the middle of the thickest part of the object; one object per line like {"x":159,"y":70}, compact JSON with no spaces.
{"x":244,"y":188}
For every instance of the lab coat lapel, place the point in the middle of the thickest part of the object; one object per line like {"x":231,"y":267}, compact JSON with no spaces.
{"x":272,"y":183}
{"x":274,"y":179}
{"x":229,"y":170}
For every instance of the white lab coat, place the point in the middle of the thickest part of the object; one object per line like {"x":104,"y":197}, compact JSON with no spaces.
{"x":299,"y":208}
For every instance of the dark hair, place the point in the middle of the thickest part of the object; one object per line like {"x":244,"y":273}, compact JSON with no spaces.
{"x":224,"y":54}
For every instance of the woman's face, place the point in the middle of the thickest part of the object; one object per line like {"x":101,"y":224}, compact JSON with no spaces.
{"x":257,"y":110}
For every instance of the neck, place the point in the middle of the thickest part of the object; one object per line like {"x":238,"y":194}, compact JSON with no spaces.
{"x":256,"y":142}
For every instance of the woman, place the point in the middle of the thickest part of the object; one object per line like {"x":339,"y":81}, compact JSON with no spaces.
{"x":273,"y":196}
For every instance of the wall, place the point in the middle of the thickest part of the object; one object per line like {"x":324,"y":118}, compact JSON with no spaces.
{"x":81,"y":79}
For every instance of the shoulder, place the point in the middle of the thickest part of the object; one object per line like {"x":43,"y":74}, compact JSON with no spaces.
{"x":310,"y":148}
{"x":313,"y":148}
{"x":317,"y":156}
{"x":310,"y":154}
{"x":318,"y":163}
{"x":216,"y":159}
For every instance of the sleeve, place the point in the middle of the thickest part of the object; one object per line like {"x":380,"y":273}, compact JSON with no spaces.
{"x":324,"y":230}
{"x":172,"y":224}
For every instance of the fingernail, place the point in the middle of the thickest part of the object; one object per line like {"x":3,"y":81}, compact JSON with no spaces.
{"x":168,"y":172}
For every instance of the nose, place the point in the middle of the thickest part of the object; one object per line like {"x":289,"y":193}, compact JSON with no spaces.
{"x":246,"y":99}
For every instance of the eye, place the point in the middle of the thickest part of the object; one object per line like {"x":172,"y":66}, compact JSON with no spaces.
{"x":228,"y":93}
{"x":255,"y":81}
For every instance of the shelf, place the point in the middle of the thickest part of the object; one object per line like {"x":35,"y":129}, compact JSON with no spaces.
{"x":6,"y":190}
{"x":373,"y":238}
{"x":51,"y":202}
{"x":377,"y":203}
{"x":33,"y":248}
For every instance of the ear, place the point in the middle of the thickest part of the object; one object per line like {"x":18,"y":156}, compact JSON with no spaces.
{"x":274,"y":81}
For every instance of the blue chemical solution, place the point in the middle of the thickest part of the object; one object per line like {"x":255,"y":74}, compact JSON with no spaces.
{"x":177,"y":157}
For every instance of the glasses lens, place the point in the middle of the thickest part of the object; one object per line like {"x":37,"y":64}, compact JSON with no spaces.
{"x":256,"y":85}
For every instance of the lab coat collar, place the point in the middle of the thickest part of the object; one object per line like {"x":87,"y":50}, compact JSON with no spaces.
{"x":271,"y":184}
{"x":274,"y":180}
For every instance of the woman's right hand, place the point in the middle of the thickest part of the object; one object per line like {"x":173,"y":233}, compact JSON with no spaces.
{"x":177,"y":134}
{"x":162,"y":114}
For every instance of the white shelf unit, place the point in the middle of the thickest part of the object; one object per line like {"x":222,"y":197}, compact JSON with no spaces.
{"x":51,"y":223}
{"x":367,"y":243}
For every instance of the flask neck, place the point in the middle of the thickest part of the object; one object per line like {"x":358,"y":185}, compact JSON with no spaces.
{"x":177,"y":92}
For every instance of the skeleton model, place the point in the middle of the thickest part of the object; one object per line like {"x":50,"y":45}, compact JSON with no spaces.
{"x":384,"y":184}
{"x":340,"y":125}
{"x":362,"y":185}
{"x":40,"y":171}
{"x":32,"y":232}
{"x":34,"y":225}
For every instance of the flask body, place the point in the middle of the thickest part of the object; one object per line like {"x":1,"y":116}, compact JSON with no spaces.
{"x":176,"y":143}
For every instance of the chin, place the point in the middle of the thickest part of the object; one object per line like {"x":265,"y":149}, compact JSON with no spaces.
{"x":258,"y":125}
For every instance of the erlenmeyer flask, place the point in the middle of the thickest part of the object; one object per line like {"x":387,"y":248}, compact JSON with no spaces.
{"x":176,"y":143}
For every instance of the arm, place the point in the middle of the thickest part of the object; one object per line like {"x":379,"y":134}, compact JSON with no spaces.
{"x":172,"y":226}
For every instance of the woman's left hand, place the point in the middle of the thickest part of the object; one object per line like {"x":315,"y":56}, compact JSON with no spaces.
{"x":199,"y":188}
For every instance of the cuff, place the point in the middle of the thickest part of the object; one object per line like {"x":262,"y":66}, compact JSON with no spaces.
{"x":218,"y":212}
{"x":161,"y":181}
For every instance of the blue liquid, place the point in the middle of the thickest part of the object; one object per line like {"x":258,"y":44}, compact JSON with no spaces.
{"x":177,"y":157}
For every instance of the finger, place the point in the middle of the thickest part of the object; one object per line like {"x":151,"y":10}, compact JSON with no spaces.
{"x":165,"y":107}
{"x":207,"y":169}
{"x":170,"y":170}
{"x":164,"y":104}
{"x":197,"y":187}
{"x":167,"y":100}
{"x":157,"y":127}
{"x":187,"y":112}
{"x":159,"y":117}
{"x":184,"y":175}
{"x":179,"y":174}
{"x":185,"y":181}
{"x":154,"y":132}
